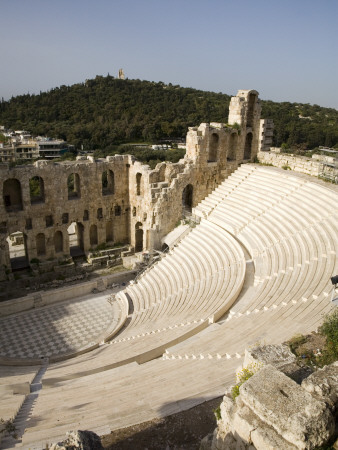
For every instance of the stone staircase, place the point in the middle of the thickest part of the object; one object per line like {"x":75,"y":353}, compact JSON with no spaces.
{"x":24,"y":414}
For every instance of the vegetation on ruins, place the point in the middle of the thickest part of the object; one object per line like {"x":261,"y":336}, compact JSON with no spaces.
{"x":7,"y":427}
{"x":242,"y":376}
{"x":318,"y":349}
{"x":105,"y":112}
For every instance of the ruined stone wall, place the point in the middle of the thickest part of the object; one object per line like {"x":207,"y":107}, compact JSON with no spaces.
{"x":102,"y":214}
{"x":282,"y":406}
{"x":120,"y":200}
{"x":301,"y":164}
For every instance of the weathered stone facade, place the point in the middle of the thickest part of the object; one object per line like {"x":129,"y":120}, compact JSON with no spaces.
{"x":120,"y":200}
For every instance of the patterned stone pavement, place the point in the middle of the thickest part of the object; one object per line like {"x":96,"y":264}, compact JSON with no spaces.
{"x":57,"y":329}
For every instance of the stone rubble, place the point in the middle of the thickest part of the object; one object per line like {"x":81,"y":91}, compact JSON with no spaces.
{"x":275,"y":412}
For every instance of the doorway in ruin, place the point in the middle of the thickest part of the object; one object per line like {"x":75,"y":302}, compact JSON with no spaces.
{"x":187,"y":197}
{"x":12,"y":195}
{"x":108,"y":184}
{"x":248,"y":146}
{"x":76,"y":240}
{"x":93,"y":235}
{"x":109,"y":231}
{"x":251,"y":107}
{"x":58,"y":242}
{"x":138,"y":237}
{"x":17,"y":244}
{"x":213,"y":147}
{"x":232,"y":147}
{"x":36,"y":190}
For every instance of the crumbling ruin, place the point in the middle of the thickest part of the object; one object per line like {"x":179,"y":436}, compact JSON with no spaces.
{"x":68,"y":208}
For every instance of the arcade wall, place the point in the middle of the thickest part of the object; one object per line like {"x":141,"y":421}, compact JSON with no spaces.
{"x":90,"y":202}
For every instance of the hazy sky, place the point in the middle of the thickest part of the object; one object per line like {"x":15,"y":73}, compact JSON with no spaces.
{"x":287,"y":50}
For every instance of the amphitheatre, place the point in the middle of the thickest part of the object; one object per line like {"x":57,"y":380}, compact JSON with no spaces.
{"x":254,"y":266}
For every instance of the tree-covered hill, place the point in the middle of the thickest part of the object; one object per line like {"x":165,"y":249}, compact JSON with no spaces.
{"x":106,"y":111}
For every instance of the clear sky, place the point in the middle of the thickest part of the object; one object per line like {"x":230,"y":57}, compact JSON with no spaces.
{"x":285,"y":49}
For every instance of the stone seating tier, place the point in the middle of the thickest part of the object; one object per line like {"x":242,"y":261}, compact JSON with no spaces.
{"x":287,"y":224}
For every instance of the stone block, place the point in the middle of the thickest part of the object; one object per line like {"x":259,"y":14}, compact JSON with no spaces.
{"x":279,"y":356}
{"x":323,"y":385}
{"x":282,"y":404}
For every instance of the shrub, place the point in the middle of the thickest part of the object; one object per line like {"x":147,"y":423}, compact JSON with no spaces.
{"x":296,"y":341}
{"x":7,"y":427}
{"x":242,"y":376}
{"x":330,"y":330}
{"x":217,"y":413}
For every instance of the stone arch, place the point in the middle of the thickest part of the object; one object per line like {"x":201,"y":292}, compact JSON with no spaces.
{"x":109,"y":231}
{"x":40,"y":244}
{"x":248,"y":146}
{"x":108,"y":182}
{"x":187,"y":199}
{"x":58,"y":242}
{"x":213,"y":147}
{"x":36,"y":190}
{"x":76,"y":238}
{"x":73,"y":186}
{"x":232,"y":147}
{"x":17,"y":250}
{"x":12,"y":195}
{"x":138,"y":183}
{"x":93,"y":235}
{"x":138,"y":237}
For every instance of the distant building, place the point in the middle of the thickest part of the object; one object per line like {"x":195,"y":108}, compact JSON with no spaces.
{"x":52,"y":148}
{"x":160,"y":147}
{"x":121,"y":75}
{"x":20,"y":145}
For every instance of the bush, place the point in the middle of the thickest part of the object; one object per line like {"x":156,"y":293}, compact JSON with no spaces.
{"x":7,"y":427}
{"x":330,"y":330}
{"x":242,"y":376}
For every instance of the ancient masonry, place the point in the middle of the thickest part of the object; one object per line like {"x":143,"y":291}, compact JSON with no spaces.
{"x":118,"y":199}
{"x":282,"y":406}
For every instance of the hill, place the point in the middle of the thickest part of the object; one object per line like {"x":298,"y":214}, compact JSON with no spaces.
{"x":105,"y":111}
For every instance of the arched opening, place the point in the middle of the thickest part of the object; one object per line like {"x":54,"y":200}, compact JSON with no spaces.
{"x":213,"y":147}
{"x":232,"y":147}
{"x":248,"y":145}
{"x":37,"y":190}
{"x":58,"y":242}
{"x":251,"y":107}
{"x":138,"y":237}
{"x":12,"y":195}
{"x":93,"y":235}
{"x":109,"y":231}
{"x":73,"y":185}
{"x":138,"y":183}
{"x":17,"y":246}
{"x":40,"y":244}
{"x":108,"y":187}
{"x":76,"y":241}
{"x":187,"y":198}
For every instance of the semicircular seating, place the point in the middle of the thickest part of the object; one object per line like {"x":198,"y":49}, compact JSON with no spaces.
{"x":192,"y":320}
